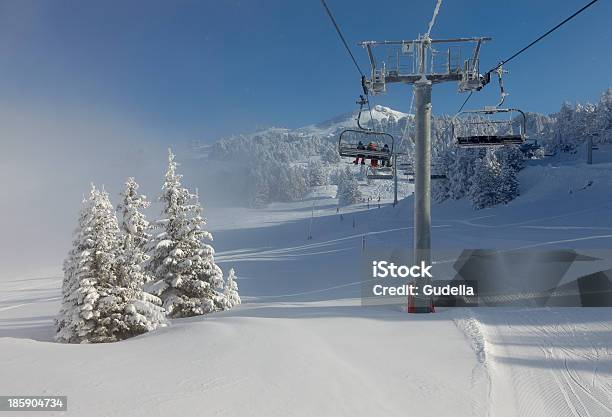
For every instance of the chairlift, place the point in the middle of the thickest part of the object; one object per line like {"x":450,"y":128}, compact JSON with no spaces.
{"x":380,"y":173}
{"x":365,"y":143}
{"x":437,"y":172}
{"x":486,"y":127}
{"x":483,"y":128}
{"x":410,"y":176}
{"x":530,"y":147}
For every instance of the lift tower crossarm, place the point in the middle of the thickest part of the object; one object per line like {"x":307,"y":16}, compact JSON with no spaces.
{"x":468,"y":77}
{"x":403,"y":42}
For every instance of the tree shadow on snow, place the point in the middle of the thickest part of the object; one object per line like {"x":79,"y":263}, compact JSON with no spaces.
{"x":40,"y":328}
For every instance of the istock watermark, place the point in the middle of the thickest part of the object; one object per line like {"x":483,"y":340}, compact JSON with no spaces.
{"x":384,"y":269}
{"x":489,"y":277}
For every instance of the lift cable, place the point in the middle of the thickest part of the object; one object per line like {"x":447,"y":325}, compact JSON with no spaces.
{"x":465,"y":101}
{"x":348,"y":49}
{"x":543,"y":36}
{"x":534,"y":42}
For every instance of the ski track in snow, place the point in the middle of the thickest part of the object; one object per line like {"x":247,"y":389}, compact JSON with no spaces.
{"x":542,"y":362}
{"x":471,"y":222}
{"x":27,"y":304}
{"x":254,"y":254}
{"x":51,"y":287}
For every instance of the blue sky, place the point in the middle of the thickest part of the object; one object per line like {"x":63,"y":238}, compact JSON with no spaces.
{"x":204,"y":69}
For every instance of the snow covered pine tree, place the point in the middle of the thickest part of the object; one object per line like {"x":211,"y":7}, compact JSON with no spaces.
{"x":330,"y":155}
{"x":348,"y":189}
{"x":97,"y":305}
{"x":486,"y":190}
{"x":144,"y":309}
{"x":317,"y":173}
{"x":135,"y":227}
{"x":511,"y":162}
{"x":232,"y":298}
{"x":186,"y":275}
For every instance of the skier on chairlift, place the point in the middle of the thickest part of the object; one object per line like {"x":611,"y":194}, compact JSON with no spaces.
{"x":387,"y":160}
{"x":360,"y":146}
{"x":373,"y":147}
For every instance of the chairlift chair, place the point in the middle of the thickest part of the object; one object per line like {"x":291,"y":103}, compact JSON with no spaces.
{"x":410,"y":176}
{"x":380,"y":173}
{"x":373,"y":141}
{"x":479,"y":128}
{"x":437,"y":171}
{"x":349,"y":140}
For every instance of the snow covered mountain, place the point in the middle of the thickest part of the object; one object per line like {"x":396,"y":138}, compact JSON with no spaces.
{"x":384,"y":118}
{"x":381,"y":115}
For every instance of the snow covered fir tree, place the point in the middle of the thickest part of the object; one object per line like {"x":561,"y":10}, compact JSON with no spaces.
{"x":100,"y":302}
{"x":348,"y":188}
{"x":232,"y":298}
{"x":485,"y":190}
{"x":187,"y":277}
{"x":135,"y":233}
{"x":317,"y":173}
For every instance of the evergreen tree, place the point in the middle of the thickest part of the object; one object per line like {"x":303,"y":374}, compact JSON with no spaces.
{"x":88,"y":272}
{"x":348,"y":189}
{"x":461,"y":173}
{"x":291,"y":182}
{"x":259,"y":192}
{"x":74,"y":267}
{"x":231,"y":290}
{"x":512,"y":157}
{"x":565,"y":129}
{"x":509,"y":183}
{"x":511,"y":162}
{"x":317,"y":173}
{"x":183,"y":265}
{"x":97,"y":306}
{"x":440,"y":188}
{"x":135,"y":229}
{"x":485,"y":190}
{"x":603,"y":117}
{"x":330,"y":155}
{"x":143,"y":310}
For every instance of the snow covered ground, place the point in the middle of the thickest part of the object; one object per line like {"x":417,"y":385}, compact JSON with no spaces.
{"x":302,"y":345}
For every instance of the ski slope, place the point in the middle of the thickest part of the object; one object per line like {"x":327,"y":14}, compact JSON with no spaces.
{"x":302,"y":345}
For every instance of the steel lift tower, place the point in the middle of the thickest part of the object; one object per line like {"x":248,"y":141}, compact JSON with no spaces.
{"x":414,"y":62}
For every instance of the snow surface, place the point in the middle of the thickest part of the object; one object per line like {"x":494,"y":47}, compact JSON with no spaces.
{"x":301,"y":345}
